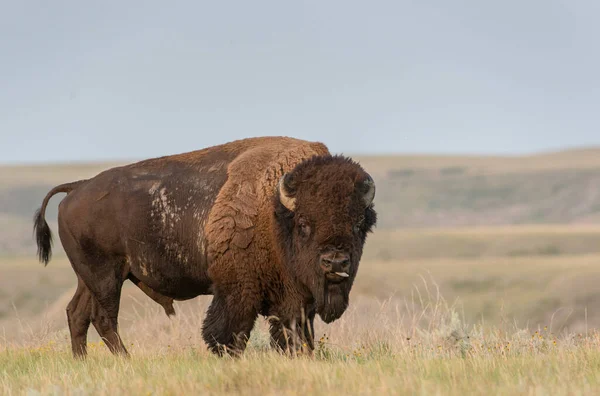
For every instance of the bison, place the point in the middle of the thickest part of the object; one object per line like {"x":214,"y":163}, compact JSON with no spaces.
{"x":271,"y":226}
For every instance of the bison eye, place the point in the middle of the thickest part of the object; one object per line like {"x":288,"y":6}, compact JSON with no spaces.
{"x":304,"y":227}
{"x":358,"y":226}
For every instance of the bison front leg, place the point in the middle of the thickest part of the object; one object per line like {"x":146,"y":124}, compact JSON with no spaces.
{"x":293,"y":336}
{"x":228,"y":324}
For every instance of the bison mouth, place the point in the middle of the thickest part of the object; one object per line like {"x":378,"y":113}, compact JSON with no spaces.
{"x":333,"y":302}
{"x":336,"y":277}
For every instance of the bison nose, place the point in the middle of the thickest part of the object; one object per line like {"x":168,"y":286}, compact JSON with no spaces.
{"x":336,"y":262}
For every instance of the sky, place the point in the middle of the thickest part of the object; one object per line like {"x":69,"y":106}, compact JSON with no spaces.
{"x":112,"y":80}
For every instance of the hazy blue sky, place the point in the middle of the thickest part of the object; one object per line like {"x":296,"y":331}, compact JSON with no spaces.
{"x":136,"y":79}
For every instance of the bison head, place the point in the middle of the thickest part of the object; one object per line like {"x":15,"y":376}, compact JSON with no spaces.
{"x":324,"y":211}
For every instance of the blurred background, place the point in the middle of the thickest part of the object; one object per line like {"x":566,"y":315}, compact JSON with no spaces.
{"x":478,"y":121}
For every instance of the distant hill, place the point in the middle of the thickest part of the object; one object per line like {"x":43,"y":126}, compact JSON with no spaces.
{"x":412,"y":191}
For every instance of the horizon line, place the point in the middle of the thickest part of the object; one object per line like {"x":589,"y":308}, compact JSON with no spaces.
{"x":99,"y":161}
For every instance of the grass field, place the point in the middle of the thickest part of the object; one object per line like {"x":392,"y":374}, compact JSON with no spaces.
{"x":376,"y":348}
{"x":489,"y":310}
{"x":565,"y":371}
{"x":483,"y":278}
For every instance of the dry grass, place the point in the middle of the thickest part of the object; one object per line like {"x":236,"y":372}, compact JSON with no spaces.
{"x":419,"y":346}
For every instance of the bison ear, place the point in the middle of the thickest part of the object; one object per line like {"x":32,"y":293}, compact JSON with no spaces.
{"x":286,"y":193}
{"x":369,"y":188}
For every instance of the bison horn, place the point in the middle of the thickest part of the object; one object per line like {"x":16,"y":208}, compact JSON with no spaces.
{"x":284,"y":195}
{"x":370,"y":194}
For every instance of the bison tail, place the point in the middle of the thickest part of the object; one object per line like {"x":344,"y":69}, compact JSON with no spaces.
{"x":43,"y":235}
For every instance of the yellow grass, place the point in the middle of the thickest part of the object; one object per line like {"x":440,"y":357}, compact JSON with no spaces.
{"x":560,"y":371}
{"x":419,"y":347}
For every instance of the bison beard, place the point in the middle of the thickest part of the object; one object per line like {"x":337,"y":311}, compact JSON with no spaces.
{"x":332,"y":302}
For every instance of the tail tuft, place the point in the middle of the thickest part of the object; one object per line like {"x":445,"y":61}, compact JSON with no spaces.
{"x":43,"y":237}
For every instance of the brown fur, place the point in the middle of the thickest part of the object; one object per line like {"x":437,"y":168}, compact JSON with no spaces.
{"x":212,"y":222}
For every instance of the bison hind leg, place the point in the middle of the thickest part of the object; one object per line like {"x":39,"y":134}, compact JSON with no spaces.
{"x":105,"y":287}
{"x":105,"y":321}
{"x":83,"y":310}
{"x":79,"y":312}
{"x":101,"y":274}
